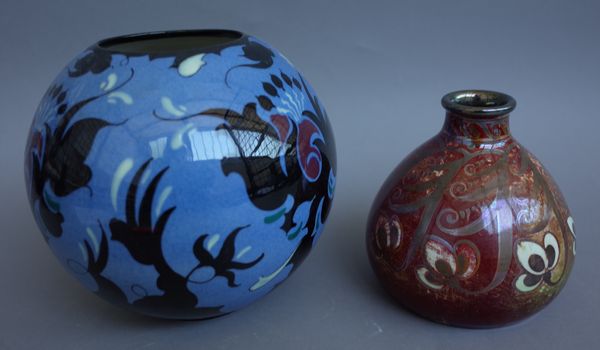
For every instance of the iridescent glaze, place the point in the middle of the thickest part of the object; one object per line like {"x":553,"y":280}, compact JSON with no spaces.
{"x":181,"y":174}
{"x":470,"y":229}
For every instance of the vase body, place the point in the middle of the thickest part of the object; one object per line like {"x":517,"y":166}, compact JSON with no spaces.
{"x":180,"y":174}
{"x":470,"y":229}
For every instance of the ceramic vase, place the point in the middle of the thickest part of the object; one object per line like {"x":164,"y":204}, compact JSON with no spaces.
{"x":470,"y":229}
{"x":180,"y":174}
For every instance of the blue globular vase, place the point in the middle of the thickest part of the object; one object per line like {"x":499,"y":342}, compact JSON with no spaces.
{"x":180,"y":174}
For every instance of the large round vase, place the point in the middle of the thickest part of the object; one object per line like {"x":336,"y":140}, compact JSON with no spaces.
{"x":470,"y":229}
{"x":180,"y":174}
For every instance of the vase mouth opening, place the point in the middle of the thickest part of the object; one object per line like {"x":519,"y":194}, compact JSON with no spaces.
{"x":173,"y":41}
{"x":479,"y":103}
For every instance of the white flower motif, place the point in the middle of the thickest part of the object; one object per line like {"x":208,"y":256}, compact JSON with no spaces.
{"x":537,"y":261}
{"x":447,"y":264}
{"x":388,"y":233}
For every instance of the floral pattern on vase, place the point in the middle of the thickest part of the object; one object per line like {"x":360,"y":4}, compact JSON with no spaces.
{"x":538,"y":262}
{"x":487,"y":238}
{"x":447,"y":265}
{"x":181,"y":183}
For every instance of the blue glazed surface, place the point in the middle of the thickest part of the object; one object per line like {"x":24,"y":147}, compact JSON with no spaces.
{"x":185,"y":184}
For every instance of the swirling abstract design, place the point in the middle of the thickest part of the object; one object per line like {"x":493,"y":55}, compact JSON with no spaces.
{"x":181,"y":184}
{"x":479,"y":216}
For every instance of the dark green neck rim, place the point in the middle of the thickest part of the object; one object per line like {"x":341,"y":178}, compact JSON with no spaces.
{"x":478,"y":103}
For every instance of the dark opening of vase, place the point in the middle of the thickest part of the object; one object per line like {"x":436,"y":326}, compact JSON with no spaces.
{"x":169,"y":41}
{"x":478,"y":103}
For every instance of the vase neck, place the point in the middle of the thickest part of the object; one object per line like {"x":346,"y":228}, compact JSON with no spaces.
{"x":477,"y":130}
{"x":477,"y":116}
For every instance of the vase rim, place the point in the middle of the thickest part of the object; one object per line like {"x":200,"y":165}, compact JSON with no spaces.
{"x":169,"y":41}
{"x":479,"y":103}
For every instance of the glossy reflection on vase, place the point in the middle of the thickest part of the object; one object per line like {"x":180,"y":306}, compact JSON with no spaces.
{"x":470,"y":229}
{"x":181,"y":174}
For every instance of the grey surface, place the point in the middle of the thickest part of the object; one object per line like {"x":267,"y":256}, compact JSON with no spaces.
{"x":380,"y":68}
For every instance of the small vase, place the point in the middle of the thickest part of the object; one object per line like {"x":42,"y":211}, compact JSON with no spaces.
{"x":181,"y":174}
{"x":470,"y":229}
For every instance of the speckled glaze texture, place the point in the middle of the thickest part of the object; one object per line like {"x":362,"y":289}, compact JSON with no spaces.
{"x":182,"y":183}
{"x":470,"y":230}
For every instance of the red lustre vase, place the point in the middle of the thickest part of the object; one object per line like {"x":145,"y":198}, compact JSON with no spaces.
{"x":470,"y":230}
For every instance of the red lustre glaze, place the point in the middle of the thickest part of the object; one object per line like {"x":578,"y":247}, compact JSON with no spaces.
{"x":470,"y":229}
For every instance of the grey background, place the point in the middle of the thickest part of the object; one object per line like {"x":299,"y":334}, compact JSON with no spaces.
{"x":380,"y":67}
